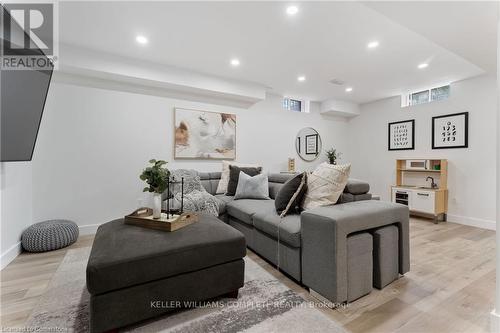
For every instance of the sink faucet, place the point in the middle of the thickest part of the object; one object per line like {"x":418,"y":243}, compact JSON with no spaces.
{"x":433,"y":184}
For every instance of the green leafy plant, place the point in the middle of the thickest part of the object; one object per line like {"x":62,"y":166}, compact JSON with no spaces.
{"x":333,"y":155}
{"x":156,"y":176}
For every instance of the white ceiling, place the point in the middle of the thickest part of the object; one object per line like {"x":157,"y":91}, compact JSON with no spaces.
{"x":467,"y":28}
{"x":325,"y":40}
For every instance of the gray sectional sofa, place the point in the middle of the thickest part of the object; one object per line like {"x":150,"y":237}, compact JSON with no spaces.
{"x":320,"y":248}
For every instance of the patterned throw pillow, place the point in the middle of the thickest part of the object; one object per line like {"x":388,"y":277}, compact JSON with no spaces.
{"x":199,"y":201}
{"x":325,"y":185}
{"x":224,"y":177}
{"x":256,"y":187}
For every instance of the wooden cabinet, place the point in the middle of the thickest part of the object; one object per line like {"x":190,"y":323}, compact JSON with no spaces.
{"x":420,"y":196}
{"x":423,"y":201}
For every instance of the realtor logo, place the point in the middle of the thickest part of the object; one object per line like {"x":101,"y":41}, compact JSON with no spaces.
{"x":28,"y":36}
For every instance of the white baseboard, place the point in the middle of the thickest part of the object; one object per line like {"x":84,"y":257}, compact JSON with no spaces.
{"x":494,"y":322}
{"x":88,"y":229}
{"x":10,"y":255}
{"x":472,"y":221}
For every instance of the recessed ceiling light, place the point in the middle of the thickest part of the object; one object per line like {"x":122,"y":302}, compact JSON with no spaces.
{"x":141,"y":39}
{"x":348,"y":89}
{"x":292,"y":10}
{"x":373,"y":44}
{"x":235,"y":62}
{"x":301,"y":78}
{"x":423,"y":65}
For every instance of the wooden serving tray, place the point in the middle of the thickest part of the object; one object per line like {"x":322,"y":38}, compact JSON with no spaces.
{"x":143,"y":217}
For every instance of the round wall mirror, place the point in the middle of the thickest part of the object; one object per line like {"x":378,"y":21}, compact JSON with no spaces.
{"x":308,"y":144}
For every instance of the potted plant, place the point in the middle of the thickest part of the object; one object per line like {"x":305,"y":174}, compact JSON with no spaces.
{"x":333,"y":155}
{"x":156,"y":176}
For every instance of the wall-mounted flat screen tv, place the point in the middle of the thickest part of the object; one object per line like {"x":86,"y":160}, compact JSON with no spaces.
{"x":22,"y":95}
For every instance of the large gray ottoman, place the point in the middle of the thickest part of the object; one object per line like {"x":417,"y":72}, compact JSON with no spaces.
{"x":385,"y":256}
{"x":49,"y":235}
{"x":359,"y":265}
{"x":135,"y":273}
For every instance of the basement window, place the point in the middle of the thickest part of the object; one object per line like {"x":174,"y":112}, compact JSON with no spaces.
{"x":296,"y":105}
{"x":440,"y":93}
{"x":425,"y":96}
{"x":420,"y":97}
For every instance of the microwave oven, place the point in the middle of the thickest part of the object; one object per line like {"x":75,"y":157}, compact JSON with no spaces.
{"x":417,"y":164}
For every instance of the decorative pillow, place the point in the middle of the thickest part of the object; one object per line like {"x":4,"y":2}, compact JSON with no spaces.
{"x":256,"y":187}
{"x":234,"y":175}
{"x":224,"y":177}
{"x":325,"y":185}
{"x":290,"y":195}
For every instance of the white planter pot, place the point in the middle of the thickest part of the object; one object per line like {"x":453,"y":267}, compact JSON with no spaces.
{"x":156,"y":205}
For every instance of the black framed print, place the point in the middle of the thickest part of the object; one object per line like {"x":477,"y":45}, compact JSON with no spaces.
{"x":312,"y":144}
{"x":450,"y":131}
{"x":402,"y":135}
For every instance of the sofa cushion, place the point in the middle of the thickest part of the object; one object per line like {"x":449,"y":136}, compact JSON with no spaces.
{"x":125,"y":255}
{"x":223,"y":200}
{"x":290,"y":195}
{"x":224,"y":175}
{"x":355,"y":186}
{"x":245,"y":209}
{"x":249,"y":187}
{"x":289,"y":226}
{"x":325,"y":185}
{"x":210,"y":181}
{"x":234,"y":176}
{"x":205,"y":181}
{"x":276,"y":181}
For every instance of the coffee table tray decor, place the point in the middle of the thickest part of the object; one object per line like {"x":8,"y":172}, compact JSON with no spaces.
{"x":143,"y":217}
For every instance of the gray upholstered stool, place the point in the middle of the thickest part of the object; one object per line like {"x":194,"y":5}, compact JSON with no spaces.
{"x":359,"y":265}
{"x":385,"y":256}
{"x":49,"y":235}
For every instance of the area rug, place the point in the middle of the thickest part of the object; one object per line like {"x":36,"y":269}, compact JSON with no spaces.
{"x":264,"y":304}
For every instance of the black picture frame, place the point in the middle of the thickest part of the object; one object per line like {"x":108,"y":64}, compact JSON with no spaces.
{"x":307,"y":152}
{"x":412,"y":122}
{"x":466,"y":130}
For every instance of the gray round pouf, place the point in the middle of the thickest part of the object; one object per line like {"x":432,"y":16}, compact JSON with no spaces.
{"x":49,"y":235}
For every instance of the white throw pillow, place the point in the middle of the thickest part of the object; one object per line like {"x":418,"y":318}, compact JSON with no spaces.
{"x":256,"y":187}
{"x":224,"y":178}
{"x":325,"y":185}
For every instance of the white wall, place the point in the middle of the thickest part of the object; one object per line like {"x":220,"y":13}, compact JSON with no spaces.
{"x":471,"y":172}
{"x":16,"y":207}
{"x":93,"y":143}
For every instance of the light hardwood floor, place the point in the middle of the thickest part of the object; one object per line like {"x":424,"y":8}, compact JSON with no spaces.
{"x":450,"y":287}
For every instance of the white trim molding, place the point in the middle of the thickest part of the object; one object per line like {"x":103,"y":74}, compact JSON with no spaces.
{"x":494,"y":322}
{"x":472,"y":221}
{"x":10,"y":255}
{"x":495,"y":315}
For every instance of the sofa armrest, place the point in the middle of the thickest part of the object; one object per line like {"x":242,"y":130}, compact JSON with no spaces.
{"x":324,"y":232}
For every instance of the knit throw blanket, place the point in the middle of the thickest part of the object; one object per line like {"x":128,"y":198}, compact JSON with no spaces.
{"x":196,"y":198}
